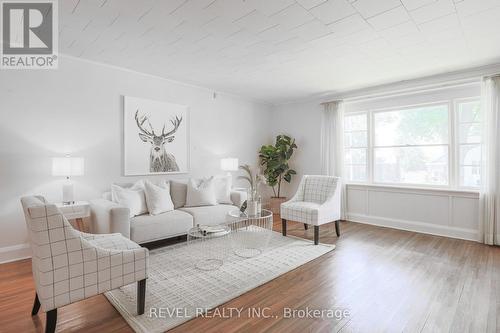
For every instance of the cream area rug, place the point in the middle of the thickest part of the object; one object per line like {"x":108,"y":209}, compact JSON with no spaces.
{"x":178,"y":291}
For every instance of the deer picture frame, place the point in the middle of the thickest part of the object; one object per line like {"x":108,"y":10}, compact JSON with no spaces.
{"x":155,"y":136}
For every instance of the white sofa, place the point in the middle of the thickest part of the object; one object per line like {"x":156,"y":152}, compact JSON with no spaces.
{"x":109,"y":217}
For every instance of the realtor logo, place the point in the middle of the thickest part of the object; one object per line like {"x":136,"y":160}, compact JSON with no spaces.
{"x":29,"y":34}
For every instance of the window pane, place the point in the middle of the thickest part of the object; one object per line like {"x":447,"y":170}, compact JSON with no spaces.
{"x":355,"y":122}
{"x":355,"y":156}
{"x":470,"y":155}
{"x":470,"y":133}
{"x":355,"y":139}
{"x":356,"y":173}
{"x":469,"y":112}
{"x":416,"y":126}
{"x":470,"y":176}
{"x":412,"y":165}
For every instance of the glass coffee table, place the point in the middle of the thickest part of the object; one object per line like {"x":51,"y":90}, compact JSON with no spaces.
{"x":211,"y":244}
{"x":250,"y":234}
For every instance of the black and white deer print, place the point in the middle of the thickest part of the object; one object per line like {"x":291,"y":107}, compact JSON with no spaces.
{"x":159,"y":159}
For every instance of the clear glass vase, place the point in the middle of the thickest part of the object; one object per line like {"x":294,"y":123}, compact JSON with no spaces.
{"x":252,"y":202}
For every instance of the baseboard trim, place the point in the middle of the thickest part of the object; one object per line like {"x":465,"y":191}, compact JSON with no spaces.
{"x":421,"y":227}
{"x":14,"y":253}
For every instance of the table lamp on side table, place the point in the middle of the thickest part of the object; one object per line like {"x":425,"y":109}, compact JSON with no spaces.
{"x":229,"y":164}
{"x":67,"y":167}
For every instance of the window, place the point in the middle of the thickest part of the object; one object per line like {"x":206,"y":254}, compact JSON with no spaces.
{"x":356,"y":146}
{"x":411,"y":145}
{"x":427,"y":145}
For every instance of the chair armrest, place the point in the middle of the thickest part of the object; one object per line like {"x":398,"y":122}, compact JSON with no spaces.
{"x":109,"y":217}
{"x":129,"y":264}
{"x":331,"y":207}
{"x":238,"y":197}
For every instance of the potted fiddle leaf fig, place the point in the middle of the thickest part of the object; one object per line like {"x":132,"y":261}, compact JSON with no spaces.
{"x":274,"y":160}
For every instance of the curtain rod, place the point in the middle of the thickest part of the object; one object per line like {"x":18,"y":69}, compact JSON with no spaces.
{"x":415,"y":90}
{"x":408,"y":91}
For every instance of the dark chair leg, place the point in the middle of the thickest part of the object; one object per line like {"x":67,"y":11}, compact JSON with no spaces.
{"x":337,"y":228}
{"x":36,"y":305}
{"x":283,"y":227}
{"x":141,"y":296}
{"x":316,"y":234}
{"x":306,"y":226}
{"x":50,"y":325}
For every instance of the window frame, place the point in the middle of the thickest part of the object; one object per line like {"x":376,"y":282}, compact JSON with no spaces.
{"x":452,"y":145}
{"x":456,"y":103}
{"x":344,"y":148}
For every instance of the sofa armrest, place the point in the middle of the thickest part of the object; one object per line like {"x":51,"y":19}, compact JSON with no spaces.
{"x":109,"y":217}
{"x":238,"y":197}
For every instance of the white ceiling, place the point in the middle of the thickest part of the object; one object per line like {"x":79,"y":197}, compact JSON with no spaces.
{"x":281,"y":50}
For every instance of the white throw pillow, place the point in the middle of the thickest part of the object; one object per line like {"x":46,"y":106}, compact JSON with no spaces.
{"x":158,"y":197}
{"x":223,"y":186}
{"x":201,"y":192}
{"x":133,"y":198}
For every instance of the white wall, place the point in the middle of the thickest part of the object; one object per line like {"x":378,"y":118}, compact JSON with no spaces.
{"x":78,"y":109}
{"x":301,"y":121}
{"x":447,"y":213}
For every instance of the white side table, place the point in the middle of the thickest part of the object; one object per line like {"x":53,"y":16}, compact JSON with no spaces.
{"x":76,"y":211}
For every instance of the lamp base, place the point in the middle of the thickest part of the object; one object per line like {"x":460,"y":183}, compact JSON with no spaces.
{"x":68,"y":193}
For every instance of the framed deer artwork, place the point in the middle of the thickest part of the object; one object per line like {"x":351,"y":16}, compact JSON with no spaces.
{"x":155,"y":137}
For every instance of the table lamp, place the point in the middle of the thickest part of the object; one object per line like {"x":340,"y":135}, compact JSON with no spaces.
{"x":229,"y":164}
{"x":67,"y":167}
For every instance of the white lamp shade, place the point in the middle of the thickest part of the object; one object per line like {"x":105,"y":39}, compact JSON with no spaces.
{"x":67,"y":166}
{"x":229,"y":164}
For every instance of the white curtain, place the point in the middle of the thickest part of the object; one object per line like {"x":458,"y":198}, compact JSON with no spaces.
{"x":332,"y":145}
{"x":489,"y":200}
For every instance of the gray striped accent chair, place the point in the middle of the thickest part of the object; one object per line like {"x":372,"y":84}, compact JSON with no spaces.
{"x":316,"y":202}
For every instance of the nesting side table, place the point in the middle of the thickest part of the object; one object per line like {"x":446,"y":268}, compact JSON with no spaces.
{"x":77,"y":212}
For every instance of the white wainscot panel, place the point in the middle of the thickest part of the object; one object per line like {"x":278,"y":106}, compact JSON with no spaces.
{"x":465,"y":213}
{"x":356,"y":201}
{"x":409,"y":206}
{"x":438,"y":212}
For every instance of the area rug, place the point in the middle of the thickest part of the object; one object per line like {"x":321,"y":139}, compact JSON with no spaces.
{"x":179,"y":291}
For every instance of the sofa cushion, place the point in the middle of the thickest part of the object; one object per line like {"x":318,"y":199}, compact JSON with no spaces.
{"x":158,"y":197}
{"x":178,"y":191}
{"x":201,"y":192}
{"x":148,"y":228}
{"x":223,"y":186}
{"x":133,"y":198}
{"x":209,"y":215}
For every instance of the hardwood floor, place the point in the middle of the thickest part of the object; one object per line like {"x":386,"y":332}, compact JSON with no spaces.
{"x":388,"y":280}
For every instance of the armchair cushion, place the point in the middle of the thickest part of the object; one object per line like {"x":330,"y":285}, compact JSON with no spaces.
{"x":301,"y":211}
{"x":113,"y":241}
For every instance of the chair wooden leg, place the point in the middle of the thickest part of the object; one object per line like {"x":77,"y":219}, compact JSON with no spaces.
{"x":51,"y":322}
{"x":337,"y":228}
{"x":36,"y":305}
{"x":306,"y":226}
{"x":141,"y":296}
{"x":283,"y":227}
{"x":316,"y":234}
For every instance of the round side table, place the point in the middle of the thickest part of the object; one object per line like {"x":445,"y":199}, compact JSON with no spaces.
{"x":210,"y":244}
{"x":250,"y":234}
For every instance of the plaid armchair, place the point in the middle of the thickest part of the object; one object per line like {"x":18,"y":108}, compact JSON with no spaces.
{"x":69,"y":265}
{"x":316,"y":202}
